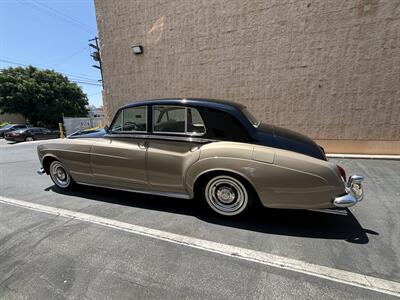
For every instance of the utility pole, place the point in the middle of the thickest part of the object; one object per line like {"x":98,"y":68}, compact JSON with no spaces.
{"x":96,"y":56}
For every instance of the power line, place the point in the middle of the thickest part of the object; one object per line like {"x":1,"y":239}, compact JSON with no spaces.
{"x":87,"y":83}
{"x":64,"y":15}
{"x":72,"y":77}
{"x":70,"y":56}
{"x":25,"y":64}
{"x":78,"y":81}
{"x":47,"y":10}
{"x":94,"y":94}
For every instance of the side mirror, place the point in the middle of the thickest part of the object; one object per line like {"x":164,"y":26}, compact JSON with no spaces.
{"x":107,"y":129}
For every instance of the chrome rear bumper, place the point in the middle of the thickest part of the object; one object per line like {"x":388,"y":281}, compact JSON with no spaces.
{"x":354,"y":192}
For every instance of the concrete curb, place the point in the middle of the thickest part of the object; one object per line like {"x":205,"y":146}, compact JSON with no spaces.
{"x":364,"y":156}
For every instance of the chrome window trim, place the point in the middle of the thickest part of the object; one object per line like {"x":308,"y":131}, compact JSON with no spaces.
{"x":134,"y":131}
{"x":130,"y":134}
{"x":186,"y":133}
{"x":192,"y":139}
{"x":180,"y":138}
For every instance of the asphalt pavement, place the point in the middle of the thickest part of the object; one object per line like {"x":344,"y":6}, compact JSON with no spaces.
{"x":45,"y":255}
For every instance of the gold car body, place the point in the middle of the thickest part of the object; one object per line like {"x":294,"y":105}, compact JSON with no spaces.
{"x":158,"y":165}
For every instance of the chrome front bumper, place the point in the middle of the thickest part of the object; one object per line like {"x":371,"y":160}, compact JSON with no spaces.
{"x":354,"y":192}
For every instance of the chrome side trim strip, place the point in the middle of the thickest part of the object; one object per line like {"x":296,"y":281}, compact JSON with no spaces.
{"x":190,"y":139}
{"x":66,"y":150}
{"x":157,"y":193}
{"x":107,"y":155}
{"x":126,"y":135}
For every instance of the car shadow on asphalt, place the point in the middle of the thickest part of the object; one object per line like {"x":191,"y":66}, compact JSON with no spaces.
{"x":338,"y":224}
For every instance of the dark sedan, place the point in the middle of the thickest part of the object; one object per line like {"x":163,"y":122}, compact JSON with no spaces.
{"x":31,"y":134}
{"x":11,"y":127}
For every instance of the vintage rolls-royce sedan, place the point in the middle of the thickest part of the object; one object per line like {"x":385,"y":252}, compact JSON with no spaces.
{"x":212,"y":150}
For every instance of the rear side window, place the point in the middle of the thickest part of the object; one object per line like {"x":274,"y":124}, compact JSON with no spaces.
{"x":177,"y":119}
{"x":223,"y":126}
{"x":195,"y":123}
{"x":169,"y":119}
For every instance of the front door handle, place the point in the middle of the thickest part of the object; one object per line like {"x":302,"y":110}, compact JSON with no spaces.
{"x":143,"y":145}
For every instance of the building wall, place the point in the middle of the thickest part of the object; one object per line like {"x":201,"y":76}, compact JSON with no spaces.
{"x":329,"y":69}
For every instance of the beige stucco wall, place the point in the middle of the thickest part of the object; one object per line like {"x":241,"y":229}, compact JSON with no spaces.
{"x":328,"y":69}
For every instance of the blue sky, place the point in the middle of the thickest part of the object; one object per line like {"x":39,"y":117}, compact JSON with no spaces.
{"x":51,"y":34}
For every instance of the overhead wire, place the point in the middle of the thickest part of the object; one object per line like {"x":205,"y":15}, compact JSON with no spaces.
{"x":43,"y":8}
{"x":64,"y":59}
{"x":59,"y":15}
{"x":25,"y":64}
{"x":72,"y":77}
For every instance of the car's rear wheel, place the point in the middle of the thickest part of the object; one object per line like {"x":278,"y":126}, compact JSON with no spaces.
{"x":60,"y":175}
{"x":227,"y":195}
{"x":29,"y":139}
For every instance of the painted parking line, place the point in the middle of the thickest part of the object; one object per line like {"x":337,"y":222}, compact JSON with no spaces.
{"x":336,"y":275}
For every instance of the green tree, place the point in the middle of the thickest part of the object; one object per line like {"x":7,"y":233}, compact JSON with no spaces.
{"x":41,"y":96}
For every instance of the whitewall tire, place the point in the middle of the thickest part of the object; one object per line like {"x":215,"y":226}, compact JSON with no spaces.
{"x":227,"y":195}
{"x":60,"y":176}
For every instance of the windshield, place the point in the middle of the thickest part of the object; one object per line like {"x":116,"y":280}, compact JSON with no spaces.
{"x":6,"y":126}
{"x":253,"y":120}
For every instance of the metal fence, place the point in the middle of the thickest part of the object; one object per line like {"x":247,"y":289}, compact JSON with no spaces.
{"x":74,"y":124}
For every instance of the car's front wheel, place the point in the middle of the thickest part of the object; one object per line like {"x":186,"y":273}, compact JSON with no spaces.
{"x":60,"y":175}
{"x":227,"y":195}
{"x":29,"y":139}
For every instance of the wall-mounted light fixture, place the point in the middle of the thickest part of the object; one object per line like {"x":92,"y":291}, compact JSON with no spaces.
{"x":137,"y":49}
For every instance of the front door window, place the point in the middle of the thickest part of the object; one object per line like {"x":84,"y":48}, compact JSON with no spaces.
{"x":131,"y":120}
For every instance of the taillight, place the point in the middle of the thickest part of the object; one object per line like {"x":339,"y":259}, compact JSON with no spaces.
{"x":342,"y":172}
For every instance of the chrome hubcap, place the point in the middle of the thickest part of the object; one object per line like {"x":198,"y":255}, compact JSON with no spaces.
{"x":226,"y":195}
{"x":59,"y":174}
{"x":29,"y":139}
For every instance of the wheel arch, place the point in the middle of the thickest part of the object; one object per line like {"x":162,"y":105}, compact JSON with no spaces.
{"x":47,"y":160}
{"x":203,"y":176}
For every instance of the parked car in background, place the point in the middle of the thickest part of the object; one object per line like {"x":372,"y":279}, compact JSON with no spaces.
{"x":216,"y":150}
{"x":11,"y":127}
{"x":31,"y":134}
